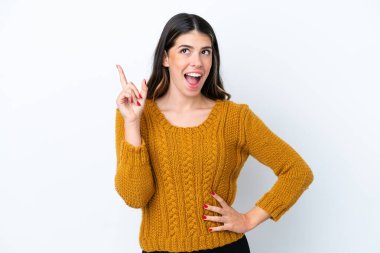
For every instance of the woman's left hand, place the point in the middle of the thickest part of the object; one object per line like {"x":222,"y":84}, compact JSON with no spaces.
{"x":232,"y":220}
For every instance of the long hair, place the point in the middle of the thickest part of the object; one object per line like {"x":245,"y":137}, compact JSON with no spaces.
{"x":181,"y":23}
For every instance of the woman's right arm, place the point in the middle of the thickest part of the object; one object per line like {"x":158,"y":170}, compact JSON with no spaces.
{"x":134,"y":179}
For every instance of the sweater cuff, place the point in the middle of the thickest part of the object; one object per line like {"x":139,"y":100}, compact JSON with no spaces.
{"x":274,"y":206}
{"x":135,"y":155}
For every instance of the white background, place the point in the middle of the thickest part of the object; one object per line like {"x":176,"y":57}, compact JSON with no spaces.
{"x":309,"y":69}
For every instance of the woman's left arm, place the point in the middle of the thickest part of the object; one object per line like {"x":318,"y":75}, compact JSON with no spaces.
{"x":293,"y":174}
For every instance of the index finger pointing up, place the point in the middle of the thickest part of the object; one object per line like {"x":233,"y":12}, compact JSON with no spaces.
{"x":123,"y":79}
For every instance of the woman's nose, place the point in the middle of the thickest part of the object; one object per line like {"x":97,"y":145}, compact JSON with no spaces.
{"x":196,"y":60}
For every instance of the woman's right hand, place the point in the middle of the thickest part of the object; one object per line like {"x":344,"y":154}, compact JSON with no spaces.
{"x":129,"y":101}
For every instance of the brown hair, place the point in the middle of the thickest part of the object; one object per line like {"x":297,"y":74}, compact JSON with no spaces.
{"x":159,"y":81}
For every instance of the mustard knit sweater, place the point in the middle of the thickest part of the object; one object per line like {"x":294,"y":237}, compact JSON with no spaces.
{"x":170,"y":176}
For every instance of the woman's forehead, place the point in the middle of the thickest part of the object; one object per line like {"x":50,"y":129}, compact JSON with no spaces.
{"x":193,"y":39}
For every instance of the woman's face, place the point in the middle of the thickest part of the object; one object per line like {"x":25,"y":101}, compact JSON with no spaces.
{"x":191,"y":53}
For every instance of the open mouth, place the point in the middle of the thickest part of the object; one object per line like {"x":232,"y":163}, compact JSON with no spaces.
{"x":192,"y":79}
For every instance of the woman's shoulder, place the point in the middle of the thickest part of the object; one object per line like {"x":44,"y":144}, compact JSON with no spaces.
{"x":235,"y":106}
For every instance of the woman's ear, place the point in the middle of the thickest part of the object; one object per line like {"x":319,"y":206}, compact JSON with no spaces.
{"x":165,"y":60}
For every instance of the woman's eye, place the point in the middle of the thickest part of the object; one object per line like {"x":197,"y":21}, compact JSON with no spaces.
{"x":208,"y":52}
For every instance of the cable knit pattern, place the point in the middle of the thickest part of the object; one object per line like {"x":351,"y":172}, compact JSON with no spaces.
{"x":209,"y":171}
{"x":188,"y":184}
{"x":171,"y":174}
{"x":170,"y":191}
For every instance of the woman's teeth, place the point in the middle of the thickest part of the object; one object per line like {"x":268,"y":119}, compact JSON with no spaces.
{"x":193,"y":74}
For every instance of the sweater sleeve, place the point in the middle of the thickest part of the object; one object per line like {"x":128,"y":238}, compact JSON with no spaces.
{"x":293,"y":174}
{"x":134,"y":178}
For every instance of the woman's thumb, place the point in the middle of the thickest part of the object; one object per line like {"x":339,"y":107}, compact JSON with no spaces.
{"x":144,"y":88}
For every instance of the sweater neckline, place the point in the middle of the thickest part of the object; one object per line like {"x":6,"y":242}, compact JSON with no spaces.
{"x":161,"y":118}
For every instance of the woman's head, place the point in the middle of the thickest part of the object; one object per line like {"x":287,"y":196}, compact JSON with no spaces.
{"x":187,"y":45}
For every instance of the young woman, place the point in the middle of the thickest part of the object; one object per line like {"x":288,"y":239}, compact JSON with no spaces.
{"x":181,"y":144}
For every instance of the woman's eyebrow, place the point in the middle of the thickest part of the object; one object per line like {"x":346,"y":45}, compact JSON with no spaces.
{"x":193,"y":47}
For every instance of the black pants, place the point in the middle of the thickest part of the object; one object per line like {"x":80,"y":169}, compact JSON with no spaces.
{"x":240,"y":246}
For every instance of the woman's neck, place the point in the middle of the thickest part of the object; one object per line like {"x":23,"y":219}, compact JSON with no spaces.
{"x":176,"y":103}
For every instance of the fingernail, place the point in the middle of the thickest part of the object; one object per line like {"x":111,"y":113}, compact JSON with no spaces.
{"x":212,"y":193}
{"x":210,"y":229}
{"x":204,"y":217}
{"x":138,"y":103}
{"x":205,"y":206}
{"x":140,"y":95}
{"x":132,"y":100}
